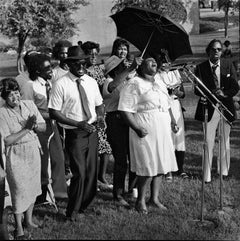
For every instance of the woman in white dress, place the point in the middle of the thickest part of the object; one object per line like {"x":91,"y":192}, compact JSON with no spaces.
{"x":173,"y":81}
{"x":145,"y":108}
{"x":18,"y":122}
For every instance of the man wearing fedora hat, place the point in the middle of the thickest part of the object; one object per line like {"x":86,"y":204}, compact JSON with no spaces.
{"x":76,"y":103}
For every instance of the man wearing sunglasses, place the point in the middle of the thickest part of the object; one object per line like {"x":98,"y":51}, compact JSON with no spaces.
{"x":219,"y":77}
{"x":76,"y":103}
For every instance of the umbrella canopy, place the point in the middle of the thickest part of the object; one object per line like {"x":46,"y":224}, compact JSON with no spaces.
{"x":150,"y":31}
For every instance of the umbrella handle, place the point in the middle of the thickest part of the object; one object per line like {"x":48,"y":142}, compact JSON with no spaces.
{"x":147,"y":43}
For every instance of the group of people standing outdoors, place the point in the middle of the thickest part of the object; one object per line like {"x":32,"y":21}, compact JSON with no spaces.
{"x":71,"y":118}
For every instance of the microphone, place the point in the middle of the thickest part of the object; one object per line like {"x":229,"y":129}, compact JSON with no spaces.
{"x":180,"y":66}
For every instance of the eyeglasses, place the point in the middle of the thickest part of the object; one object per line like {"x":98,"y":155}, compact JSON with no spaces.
{"x":216,"y":49}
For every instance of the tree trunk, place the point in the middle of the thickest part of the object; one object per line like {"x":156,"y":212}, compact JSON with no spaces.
{"x":21,"y":41}
{"x":226,"y":23}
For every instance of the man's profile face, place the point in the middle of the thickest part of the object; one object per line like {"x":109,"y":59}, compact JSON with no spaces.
{"x":215,"y":52}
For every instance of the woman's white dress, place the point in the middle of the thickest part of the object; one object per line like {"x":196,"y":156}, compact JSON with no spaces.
{"x":173,"y":78}
{"x":23,"y":160}
{"x":153,"y":154}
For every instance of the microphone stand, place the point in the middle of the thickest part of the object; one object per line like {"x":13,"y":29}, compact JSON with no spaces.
{"x":219,"y":107}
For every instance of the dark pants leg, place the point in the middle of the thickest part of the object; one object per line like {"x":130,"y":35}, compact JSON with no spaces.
{"x":59,"y":184}
{"x":180,"y":160}
{"x":118,"y":137}
{"x":82,"y":149}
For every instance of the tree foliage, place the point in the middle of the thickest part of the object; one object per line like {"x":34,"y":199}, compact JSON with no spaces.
{"x":173,"y":8}
{"x":44,"y":21}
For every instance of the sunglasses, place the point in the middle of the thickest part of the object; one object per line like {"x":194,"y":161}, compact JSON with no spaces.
{"x":216,"y":49}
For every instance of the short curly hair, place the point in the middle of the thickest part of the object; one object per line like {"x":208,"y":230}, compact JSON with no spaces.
{"x":35,"y":65}
{"x":8,"y":85}
{"x":58,"y":45}
{"x":89,"y":45}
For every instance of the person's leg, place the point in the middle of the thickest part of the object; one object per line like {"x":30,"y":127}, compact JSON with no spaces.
{"x":155,"y":187}
{"x":76,"y":146}
{"x":142,"y":184}
{"x":103,"y":163}
{"x":211,"y":134}
{"x":18,"y":222}
{"x":117,"y":134}
{"x":28,"y":217}
{"x":59,"y":184}
{"x":90,"y":181}
{"x":225,"y":149}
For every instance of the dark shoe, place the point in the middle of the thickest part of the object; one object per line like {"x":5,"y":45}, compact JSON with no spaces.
{"x":22,"y":237}
{"x":119,"y":200}
{"x":75,"y":217}
{"x":169,"y":177}
{"x":207,"y":182}
{"x":225,"y":178}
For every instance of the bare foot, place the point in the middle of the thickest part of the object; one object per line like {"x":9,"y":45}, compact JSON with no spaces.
{"x":31,"y":225}
{"x":157,"y":204}
{"x":141,"y":207}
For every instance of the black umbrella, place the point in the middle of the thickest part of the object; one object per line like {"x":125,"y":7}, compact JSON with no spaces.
{"x":150,"y":32}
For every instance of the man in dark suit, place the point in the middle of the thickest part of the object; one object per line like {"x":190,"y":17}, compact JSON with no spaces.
{"x":219,"y":77}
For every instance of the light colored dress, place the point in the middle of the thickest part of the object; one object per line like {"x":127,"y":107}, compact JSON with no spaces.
{"x":171,"y":79}
{"x":23,"y":161}
{"x":153,"y":154}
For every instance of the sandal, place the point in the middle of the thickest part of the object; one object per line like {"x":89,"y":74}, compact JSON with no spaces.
{"x":22,"y":237}
{"x":184,"y":175}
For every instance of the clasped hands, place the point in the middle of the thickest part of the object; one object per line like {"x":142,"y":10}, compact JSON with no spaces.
{"x":31,"y":122}
{"x":90,"y":128}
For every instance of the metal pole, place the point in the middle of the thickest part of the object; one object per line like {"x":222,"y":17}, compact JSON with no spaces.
{"x":220,"y":157}
{"x":205,"y":158}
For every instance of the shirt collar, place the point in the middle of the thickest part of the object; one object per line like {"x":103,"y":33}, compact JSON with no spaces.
{"x":211,"y":64}
{"x":43,"y":81}
{"x":74,"y":78}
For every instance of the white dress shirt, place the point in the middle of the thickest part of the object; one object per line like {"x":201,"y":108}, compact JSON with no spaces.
{"x":65,"y":98}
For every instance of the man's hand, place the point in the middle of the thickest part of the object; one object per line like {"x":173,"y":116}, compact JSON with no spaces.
{"x":219,"y":93}
{"x":141,"y":132}
{"x":83,"y":125}
{"x":101,"y":122}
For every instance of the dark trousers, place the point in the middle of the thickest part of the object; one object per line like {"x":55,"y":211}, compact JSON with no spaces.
{"x":180,"y":160}
{"x":82,"y":149}
{"x":54,"y":152}
{"x":118,"y":137}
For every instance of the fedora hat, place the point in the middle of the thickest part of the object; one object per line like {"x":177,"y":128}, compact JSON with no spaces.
{"x":111,"y":63}
{"x":75,"y":53}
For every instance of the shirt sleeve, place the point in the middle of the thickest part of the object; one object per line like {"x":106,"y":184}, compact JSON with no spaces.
{"x":98,"y":96}
{"x":128,"y":98}
{"x":4,"y":129}
{"x":56,"y":97}
{"x":37,"y":113}
{"x":106,"y":93}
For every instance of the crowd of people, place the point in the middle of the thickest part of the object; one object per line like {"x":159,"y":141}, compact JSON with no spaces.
{"x":59,"y":125}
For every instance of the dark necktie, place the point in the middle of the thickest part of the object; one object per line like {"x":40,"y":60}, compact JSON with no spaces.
{"x":84,"y":99}
{"x":215,"y":78}
{"x":48,"y":89}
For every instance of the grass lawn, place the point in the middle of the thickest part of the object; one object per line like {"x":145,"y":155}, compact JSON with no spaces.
{"x":105,"y":220}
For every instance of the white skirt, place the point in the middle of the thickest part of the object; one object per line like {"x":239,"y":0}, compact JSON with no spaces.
{"x":154,"y":154}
